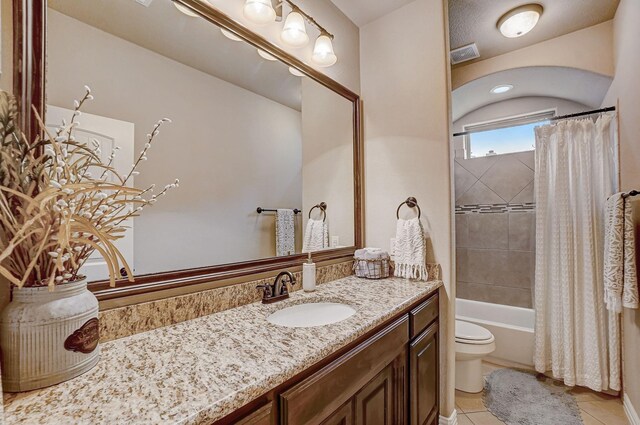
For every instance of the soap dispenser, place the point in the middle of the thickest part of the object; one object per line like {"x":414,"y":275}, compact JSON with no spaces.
{"x":309,"y":275}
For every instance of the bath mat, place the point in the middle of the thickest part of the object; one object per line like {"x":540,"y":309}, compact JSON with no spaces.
{"x":519,"y":398}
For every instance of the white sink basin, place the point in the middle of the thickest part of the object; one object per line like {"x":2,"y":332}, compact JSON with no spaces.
{"x":311,"y":314}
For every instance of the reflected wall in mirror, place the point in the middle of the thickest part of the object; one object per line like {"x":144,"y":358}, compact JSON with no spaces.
{"x":245,"y":133}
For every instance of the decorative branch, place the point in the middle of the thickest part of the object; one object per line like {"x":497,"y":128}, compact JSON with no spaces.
{"x":53,"y":212}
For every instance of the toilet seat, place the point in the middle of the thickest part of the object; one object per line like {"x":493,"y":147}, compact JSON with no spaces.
{"x":470,"y":333}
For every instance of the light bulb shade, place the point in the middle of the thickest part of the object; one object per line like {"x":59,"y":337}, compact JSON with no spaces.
{"x":259,"y":11}
{"x":295,"y":72}
{"x":184,"y":9}
{"x":230,"y":35}
{"x":519,"y":21}
{"x":265,"y":55}
{"x":294,"y":32}
{"x":323,"y":52}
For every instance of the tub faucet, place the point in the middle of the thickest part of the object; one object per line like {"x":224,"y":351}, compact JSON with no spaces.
{"x":278,"y":290}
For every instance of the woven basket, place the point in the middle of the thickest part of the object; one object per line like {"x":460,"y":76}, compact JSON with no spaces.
{"x":371,"y":269}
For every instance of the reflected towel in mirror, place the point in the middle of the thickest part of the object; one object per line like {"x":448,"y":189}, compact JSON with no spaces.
{"x":316,"y":236}
{"x":285,"y":232}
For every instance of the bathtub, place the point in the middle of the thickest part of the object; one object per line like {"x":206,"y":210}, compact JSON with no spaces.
{"x":511,"y":326}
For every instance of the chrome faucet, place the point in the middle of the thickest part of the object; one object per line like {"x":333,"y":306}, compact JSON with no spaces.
{"x":278,"y":290}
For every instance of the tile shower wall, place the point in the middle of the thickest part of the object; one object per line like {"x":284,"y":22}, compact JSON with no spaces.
{"x":495,"y":228}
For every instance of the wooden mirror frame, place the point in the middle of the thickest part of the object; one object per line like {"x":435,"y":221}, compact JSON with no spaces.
{"x":29,"y":55}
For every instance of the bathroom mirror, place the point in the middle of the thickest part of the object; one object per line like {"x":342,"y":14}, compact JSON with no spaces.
{"x":253,"y":131}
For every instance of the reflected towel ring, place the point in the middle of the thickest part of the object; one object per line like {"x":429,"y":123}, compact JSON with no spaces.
{"x":323,"y":208}
{"x":411,"y":203}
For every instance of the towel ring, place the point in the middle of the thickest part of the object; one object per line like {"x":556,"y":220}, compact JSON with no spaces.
{"x":323,"y":208}
{"x":411,"y":203}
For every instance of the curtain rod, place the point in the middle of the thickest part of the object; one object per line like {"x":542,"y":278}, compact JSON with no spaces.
{"x":562,"y":117}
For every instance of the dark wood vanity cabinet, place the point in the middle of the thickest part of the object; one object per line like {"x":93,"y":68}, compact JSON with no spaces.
{"x":388,"y":378}
{"x":364,"y":376}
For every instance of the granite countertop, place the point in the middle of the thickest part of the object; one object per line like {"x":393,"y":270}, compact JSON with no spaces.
{"x":203,"y":369}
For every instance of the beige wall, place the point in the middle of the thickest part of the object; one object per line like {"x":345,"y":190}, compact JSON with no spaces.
{"x":6,"y":46}
{"x":626,"y":90}
{"x":327,"y":158}
{"x":405,"y":94}
{"x":232,"y":149}
{"x":588,"y":49}
{"x":345,"y":44}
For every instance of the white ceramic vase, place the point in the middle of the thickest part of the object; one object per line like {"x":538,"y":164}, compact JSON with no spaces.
{"x":47,"y":336}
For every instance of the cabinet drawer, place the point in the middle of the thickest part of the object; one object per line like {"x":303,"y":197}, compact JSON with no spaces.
{"x":423,"y":315}
{"x":317,"y":397}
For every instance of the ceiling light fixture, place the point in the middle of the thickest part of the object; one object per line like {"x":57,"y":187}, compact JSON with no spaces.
{"x":519,"y":21}
{"x":294,"y":32}
{"x":267,"y":56}
{"x":259,"y":11}
{"x":295,"y":72}
{"x":323,"y":51}
{"x":184,"y":9}
{"x":230,"y":35}
{"x":502,"y":88}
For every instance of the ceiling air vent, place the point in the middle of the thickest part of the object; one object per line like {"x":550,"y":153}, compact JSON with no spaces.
{"x":464,"y":53}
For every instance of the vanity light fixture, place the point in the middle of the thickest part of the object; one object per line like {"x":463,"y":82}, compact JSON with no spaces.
{"x":323,"y":54}
{"x":295,"y":72}
{"x":259,"y":11}
{"x":502,"y":88}
{"x":294,"y":32}
{"x":267,"y":56}
{"x":184,"y":9}
{"x":519,"y":21}
{"x":230,"y":35}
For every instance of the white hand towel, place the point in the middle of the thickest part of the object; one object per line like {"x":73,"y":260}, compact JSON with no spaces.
{"x":316,"y":236}
{"x":410,"y":250}
{"x":620,"y":281}
{"x":285,"y":233}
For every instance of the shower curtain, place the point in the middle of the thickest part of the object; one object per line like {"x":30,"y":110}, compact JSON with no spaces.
{"x":575,"y":173}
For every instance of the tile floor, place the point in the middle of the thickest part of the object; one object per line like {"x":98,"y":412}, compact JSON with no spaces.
{"x":595,"y":408}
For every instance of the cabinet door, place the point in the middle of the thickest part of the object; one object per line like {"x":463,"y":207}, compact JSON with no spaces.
{"x":375,"y":401}
{"x":261,"y":416}
{"x":342,"y":416}
{"x":423,"y":379}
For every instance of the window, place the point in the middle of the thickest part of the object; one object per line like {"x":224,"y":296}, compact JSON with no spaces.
{"x":508,"y":135}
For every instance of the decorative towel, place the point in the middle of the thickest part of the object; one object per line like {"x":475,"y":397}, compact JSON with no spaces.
{"x":316,"y":236}
{"x":620,"y":281}
{"x":370,"y":254}
{"x":285,"y":233}
{"x":410,"y":250}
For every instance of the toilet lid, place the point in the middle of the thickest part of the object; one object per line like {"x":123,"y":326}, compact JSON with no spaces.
{"x":471,"y":332}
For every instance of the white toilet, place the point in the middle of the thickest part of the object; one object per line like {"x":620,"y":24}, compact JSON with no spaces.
{"x":473,"y":343}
